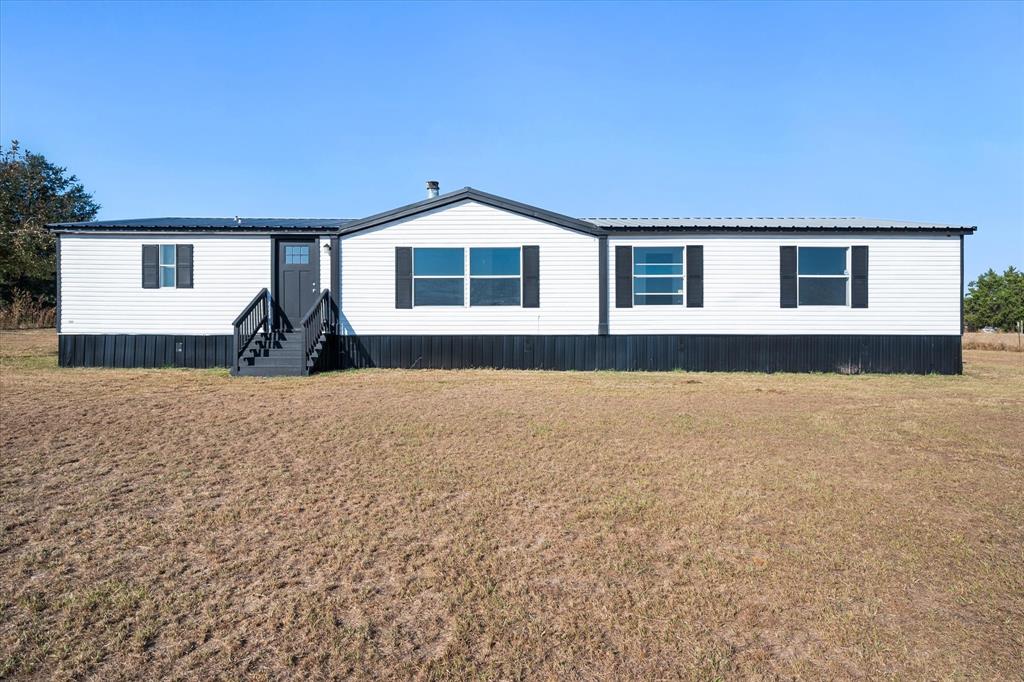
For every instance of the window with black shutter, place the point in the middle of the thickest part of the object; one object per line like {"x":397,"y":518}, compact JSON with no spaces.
{"x":167,"y":266}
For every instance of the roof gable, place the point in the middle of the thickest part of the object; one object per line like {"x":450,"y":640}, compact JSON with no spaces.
{"x":470,"y":194}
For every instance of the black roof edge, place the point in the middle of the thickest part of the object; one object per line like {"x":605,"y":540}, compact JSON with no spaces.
{"x":468,"y":193}
{"x":190,"y":229}
{"x":715,"y":229}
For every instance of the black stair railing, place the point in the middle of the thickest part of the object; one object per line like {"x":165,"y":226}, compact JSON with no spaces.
{"x":253,"y":318}
{"x":320,"y":321}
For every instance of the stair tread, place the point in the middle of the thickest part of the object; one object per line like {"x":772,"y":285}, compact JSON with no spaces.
{"x":273,"y":373}
{"x":280,"y":354}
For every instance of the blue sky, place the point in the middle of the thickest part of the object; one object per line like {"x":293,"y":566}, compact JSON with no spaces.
{"x":910,"y":111}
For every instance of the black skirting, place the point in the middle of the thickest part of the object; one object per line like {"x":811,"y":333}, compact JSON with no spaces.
{"x":848,"y":354}
{"x":144,"y":350}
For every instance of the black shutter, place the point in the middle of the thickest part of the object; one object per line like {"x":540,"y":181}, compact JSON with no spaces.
{"x":859,"y":272}
{"x":694,"y":276}
{"x":602,"y":283}
{"x":403,"y":276}
{"x":183,"y":266}
{"x":531,"y":276}
{"x":623,"y":276}
{"x":787,"y":276}
{"x":150,"y":266}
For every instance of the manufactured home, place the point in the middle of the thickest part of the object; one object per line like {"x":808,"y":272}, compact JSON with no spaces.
{"x":470,"y":279}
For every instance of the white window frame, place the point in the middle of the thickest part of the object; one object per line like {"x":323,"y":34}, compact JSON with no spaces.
{"x":467,"y":277}
{"x":465,"y":264}
{"x":172,"y":266}
{"x":681,"y":275}
{"x":470,"y":276}
{"x":845,"y":275}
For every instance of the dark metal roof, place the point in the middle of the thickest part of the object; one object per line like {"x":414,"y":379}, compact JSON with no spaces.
{"x":770,"y":225}
{"x":593,"y":226}
{"x":468,"y":193}
{"x":206,"y":224}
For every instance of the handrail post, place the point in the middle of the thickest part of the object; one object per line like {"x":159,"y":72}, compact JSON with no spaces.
{"x":315,"y":323}
{"x":236,"y":362}
{"x":249,"y":322}
{"x":270,"y":311}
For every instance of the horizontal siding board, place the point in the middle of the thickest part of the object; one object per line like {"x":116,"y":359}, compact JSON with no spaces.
{"x":914,"y":288}
{"x":567,"y":275}
{"x":914,"y":284}
{"x":102,"y":293}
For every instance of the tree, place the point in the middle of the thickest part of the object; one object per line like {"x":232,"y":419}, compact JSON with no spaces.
{"x":995,"y":300}
{"x":34,"y":192}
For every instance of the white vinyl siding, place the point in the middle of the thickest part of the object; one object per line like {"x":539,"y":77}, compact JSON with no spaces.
{"x":913,"y":288}
{"x":913,"y":282}
{"x":101,"y":284}
{"x":568,"y":275}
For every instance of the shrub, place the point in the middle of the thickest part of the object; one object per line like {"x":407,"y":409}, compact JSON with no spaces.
{"x":24,"y":311}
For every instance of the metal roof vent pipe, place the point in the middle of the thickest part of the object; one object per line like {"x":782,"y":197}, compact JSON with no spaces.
{"x":433,"y":189}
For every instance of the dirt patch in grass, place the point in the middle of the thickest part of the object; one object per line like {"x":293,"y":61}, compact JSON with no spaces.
{"x":451,"y":524}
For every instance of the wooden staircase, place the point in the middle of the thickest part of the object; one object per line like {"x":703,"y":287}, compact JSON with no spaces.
{"x":262,"y":352}
{"x":275,"y":354}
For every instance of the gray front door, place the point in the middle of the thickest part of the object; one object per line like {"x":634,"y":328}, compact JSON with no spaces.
{"x":297,"y":281}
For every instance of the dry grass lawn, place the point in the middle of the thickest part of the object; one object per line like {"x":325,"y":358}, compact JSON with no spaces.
{"x":506,"y":525}
{"x":997,"y":341}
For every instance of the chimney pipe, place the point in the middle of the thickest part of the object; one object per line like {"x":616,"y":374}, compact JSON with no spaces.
{"x":433,"y":189}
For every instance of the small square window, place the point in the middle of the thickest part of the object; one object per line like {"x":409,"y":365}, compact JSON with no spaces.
{"x":296,"y":255}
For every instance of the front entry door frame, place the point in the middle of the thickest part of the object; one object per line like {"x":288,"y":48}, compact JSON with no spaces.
{"x":275,"y":288}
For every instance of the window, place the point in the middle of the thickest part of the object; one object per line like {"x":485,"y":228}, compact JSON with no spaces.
{"x":823,"y":275}
{"x":168,"y":264}
{"x":658,"y":275}
{"x":438,"y":276}
{"x":490,"y":276}
{"x":296,"y":255}
{"x":494,"y":276}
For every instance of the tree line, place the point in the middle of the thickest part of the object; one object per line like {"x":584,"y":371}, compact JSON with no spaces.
{"x":995,"y":300}
{"x":34,"y":192}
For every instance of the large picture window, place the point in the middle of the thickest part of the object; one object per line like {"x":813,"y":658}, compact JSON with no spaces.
{"x":823,"y":275}
{"x":438,"y":276}
{"x":658,"y":275}
{"x":168,"y":264}
{"x":494,"y":276}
